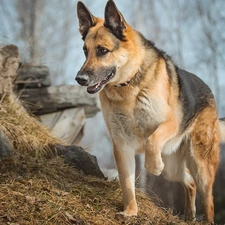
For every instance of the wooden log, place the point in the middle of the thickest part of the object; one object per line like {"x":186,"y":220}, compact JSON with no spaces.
{"x":33,"y":76}
{"x":67,"y":125}
{"x":41,"y":101}
{"x":9,"y":62}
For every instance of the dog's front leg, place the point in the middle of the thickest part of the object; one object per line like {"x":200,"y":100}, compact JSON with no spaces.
{"x":155,"y":143}
{"x":125,"y":161}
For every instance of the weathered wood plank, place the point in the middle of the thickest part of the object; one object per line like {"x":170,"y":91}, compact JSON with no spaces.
{"x":33,"y":76}
{"x":41,"y":101}
{"x":66,"y":124}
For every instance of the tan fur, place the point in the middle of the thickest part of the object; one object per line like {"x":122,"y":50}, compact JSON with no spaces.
{"x":146,"y":115}
{"x":222,"y":130}
{"x":205,"y":144}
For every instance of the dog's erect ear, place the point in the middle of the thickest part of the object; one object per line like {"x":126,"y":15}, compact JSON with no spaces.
{"x":86,"y":19}
{"x":114,"y":20}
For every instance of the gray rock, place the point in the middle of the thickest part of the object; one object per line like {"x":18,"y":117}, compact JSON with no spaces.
{"x":76,"y":156}
{"x":6,"y":149}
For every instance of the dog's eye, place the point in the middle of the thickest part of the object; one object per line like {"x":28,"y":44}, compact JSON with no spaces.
{"x":102,"y":51}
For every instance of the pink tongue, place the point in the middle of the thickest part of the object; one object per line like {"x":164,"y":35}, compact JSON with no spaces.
{"x":92,"y":88}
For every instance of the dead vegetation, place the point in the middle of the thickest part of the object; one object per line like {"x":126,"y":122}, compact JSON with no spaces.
{"x":38,"y":188}
{"x":27,"y":134}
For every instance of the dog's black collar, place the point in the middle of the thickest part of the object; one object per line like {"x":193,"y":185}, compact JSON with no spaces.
{"x":122,"y":84}
{"x":125,"y":83}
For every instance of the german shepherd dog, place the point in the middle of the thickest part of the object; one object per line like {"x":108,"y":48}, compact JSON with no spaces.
{"x":151,"y":106}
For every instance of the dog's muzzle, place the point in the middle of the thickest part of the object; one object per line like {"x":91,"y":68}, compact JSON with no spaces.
{"x":94,"y":85}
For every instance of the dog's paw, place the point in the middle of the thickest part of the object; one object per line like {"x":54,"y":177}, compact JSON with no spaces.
{"x":122,"y":216}
{"x":154,"y":166}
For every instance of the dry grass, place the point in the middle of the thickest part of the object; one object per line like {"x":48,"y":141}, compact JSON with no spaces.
{"x":28,"y":136}
{"x":53,"y":193}
{"x":43,"y":190}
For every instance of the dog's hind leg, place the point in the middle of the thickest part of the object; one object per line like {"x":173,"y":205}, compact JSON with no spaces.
{"x":175,"y":170}
{"x":190,"y":195}
{"x":125,"y":161}
{"x":204,"y":158}
{"x":203,"y":174}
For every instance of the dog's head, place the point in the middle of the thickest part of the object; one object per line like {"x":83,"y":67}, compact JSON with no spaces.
{"x":106,"y":47}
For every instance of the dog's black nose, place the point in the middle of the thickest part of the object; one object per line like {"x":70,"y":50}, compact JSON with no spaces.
{"x":82,"y":80}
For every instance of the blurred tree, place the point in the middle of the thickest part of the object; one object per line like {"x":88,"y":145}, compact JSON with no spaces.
{"x":8,"y":20}
{"x":47,"y":31}
{"x":27,"y":17}
{"x":209,"y":51}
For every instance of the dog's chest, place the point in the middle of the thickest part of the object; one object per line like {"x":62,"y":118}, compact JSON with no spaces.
{"x":139,"y":119}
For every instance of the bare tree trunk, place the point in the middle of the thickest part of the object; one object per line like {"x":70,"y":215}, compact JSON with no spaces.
{"x":34,"y":33}
{"x":211,"y":60}
{"x":32,"y":28}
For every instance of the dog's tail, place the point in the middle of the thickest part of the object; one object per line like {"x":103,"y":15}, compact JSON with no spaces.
{"x":222,"y":129}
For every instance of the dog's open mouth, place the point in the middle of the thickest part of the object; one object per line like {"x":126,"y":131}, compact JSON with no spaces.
{"x":97,"y":87}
